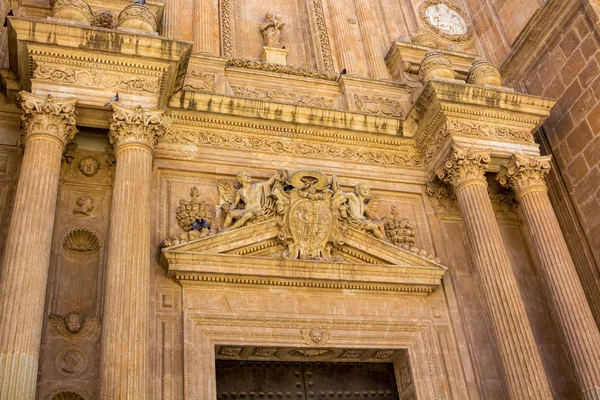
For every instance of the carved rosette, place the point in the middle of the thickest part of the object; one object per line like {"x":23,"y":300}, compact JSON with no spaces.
{"x":44,"y":115}
{"x":135,"y":126}
{"x":524,"y":173}
{"x":464,"y":165}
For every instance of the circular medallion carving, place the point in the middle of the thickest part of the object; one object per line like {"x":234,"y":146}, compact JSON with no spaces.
{"x":446,"y":20}
{"x":71,"y":362}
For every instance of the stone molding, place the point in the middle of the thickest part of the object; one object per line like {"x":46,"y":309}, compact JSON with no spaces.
{"x":135,"y":126}
{"x":464,"y":166}
{"x":524,"y":173}
{"x":47,"y":116}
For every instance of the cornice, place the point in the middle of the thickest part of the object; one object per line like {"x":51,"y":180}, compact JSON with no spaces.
{"x":533,"y":41}
{"x":288,"y":113}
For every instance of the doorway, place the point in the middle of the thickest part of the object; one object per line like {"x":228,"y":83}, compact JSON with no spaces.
{"x":237,"y":379}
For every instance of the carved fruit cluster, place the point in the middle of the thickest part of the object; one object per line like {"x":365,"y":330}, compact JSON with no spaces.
{"x":400,"y":231}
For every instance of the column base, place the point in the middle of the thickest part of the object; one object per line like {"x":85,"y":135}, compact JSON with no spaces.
{"x":18,"y":373}
{"x":274,"y":55}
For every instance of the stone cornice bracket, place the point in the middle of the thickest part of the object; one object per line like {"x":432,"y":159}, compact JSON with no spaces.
{"x":464,"y":166}
{"x":47,"y":116}
{"x":523,"y":174}
{"x":135,"y":126}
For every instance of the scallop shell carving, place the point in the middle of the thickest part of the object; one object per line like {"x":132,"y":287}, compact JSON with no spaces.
{"x":67,"y":395}
{"x":81,"y":240}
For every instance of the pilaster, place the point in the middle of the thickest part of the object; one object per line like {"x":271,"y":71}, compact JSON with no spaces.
{"x":340,"y":29}
{"x":124,"y":364}
{"x":48,"y":124}
{"x":524,"y":371}
{"x":526,"y":176}
{"x":375,"y":61}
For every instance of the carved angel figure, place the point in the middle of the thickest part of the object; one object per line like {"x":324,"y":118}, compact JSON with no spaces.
{"x":354,"y":208}
{"x":255,"y":197}
{"x":74,"y":324}
{"x":271,"y":30}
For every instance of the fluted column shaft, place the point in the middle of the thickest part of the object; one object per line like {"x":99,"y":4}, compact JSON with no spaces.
{"x":343,"y":42}
{"x":524,"y":371}
{"x":526,"y":176}
{"x":47,"y":126}
{"x":206,"y":26}
{"x":366,"y":19}
{"x":125,"y":324}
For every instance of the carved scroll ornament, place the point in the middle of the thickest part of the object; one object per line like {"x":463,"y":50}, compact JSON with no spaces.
{"x":45,"y":115}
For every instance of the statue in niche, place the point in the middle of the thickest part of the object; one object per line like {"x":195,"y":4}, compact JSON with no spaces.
{"x":252,"y":201}
{"x":353,"y":206}
{"x":85,"y":205}
{"x":271,"y":30}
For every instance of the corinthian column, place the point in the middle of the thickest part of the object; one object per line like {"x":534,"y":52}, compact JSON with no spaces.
{"x":366,"y":20}
{"x":343,"y":42}
{"x":48,"y":125}
{"x":526,"y":176}
{"x":124,"y":366}
{"x":522,"y":364}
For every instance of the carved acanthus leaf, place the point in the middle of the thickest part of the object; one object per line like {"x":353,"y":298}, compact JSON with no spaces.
{"x":442,"y":198}
{"x":464,"y":165}
{"x":44,"y":115}
{"x":135,"y":125}
{"x":523,"y":173}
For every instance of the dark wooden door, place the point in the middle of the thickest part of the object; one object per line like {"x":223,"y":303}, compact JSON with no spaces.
{"x":304,"y":380}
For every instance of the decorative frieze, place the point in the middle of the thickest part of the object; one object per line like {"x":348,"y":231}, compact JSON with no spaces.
{"x":380,"y":105}
{"x":201,"y":81}
{"x":282,"y":69}
{"x":282,"y":96}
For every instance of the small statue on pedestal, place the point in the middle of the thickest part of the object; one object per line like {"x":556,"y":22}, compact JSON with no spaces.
{"x":271,"y":30}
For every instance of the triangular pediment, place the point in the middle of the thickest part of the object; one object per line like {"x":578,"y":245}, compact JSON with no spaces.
{"x":255,"y":254}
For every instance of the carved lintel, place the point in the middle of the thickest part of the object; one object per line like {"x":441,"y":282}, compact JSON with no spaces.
{"x":464,"y":165}
{"x":45,"y":115}
{"x":135,"y":126}
{"x":525,"y":173}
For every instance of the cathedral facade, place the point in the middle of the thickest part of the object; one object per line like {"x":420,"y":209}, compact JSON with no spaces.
{"x":300,"y":199}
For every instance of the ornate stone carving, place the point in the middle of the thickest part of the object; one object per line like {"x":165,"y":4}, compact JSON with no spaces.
{"x":271,"y":30}
{"x":89,"y":166}
{"x":185,"y":237}
{"x":446,"y":20}
{"x":82,"y":240}
{"x":282,"y":69}
{"x":227,"y":28}
{"x":69,"y":394}
{"x":97,"y":78}
{"x":256,"y":198}
{"x":315,"y":336}
{"x":69,"y":153}
{"x":190,"y":211}
{"x":44,"y":115}
{"x":464,"y":165}
{"x":351,"y":354}
{"x":104,"y":19}
{"x":380,"y":105}
{"x":484,"y":73}
{"x":201,"y":81}
{"x":504,"y":205}
{"x":487,"y":131}
{"x":435,"y":65}
{"x":230,"y":351}
{"x":295,"y":147}
{"x":400,"y":231}
{"x":324,"y":47}
{"x":71,"y":362}
{"x":523,"y":173}
{"x":264,"y":352}
{"x":135,"y":125}
{"x":137,"y":16}
{"x":283,"y":97}
{"x":405,"y":377}
{"x":85,"y":205}
{"x":74,"y":324}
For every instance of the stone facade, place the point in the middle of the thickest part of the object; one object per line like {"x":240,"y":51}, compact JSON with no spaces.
{"x":299,"y":181}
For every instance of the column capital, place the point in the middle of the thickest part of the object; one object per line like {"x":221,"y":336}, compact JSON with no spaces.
{"x":523,"y":173}
{"x":463,"y":166}
{"x":47,"y":116}
{"x":135,"y":126}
